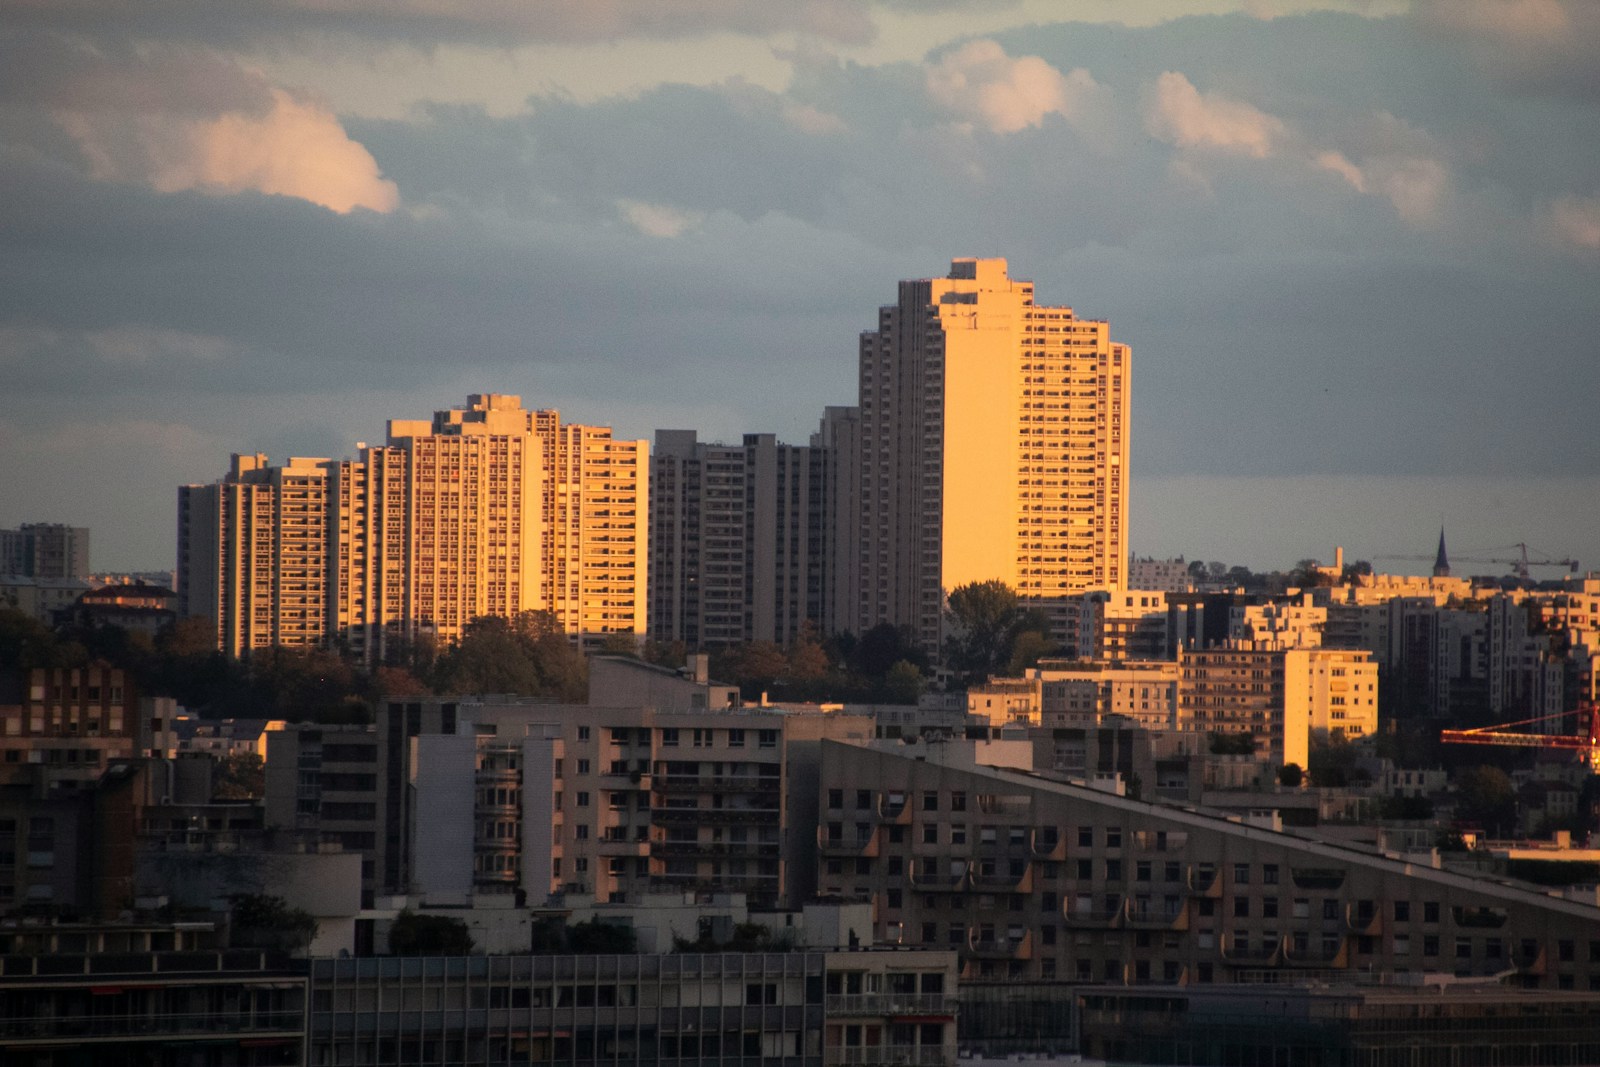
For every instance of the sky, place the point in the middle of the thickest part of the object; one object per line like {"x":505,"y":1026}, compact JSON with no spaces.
{"x":1354,"y":244}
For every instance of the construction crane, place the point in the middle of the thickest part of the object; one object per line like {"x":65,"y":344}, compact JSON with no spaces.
{"x":1519,"y":563}
{"x":1586,"y":741}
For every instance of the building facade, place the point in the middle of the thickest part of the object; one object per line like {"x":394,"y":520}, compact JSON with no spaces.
{"x":738,"y":540}
{"x":45,"y":550}
{"x":994,"y":445}
{"x":487,"y":509}
{"x":1035,"y":879}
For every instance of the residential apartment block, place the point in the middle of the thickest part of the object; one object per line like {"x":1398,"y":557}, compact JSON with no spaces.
{"x":739,"y":539}
{"x":45,"y":550}
{"x":484,"y":510}
{"x":993,"y":445}
{"x":1028,"y":878}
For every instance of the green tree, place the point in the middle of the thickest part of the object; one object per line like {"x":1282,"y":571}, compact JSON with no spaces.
{"x":239,"y":776}
{"x":597,"y":938}
{"x":1291,"y":775}
{"x":428,"y":935}
{"x":903,"y":684}
{"x":259,"y":920}
{"x":527,"y":654}
{"x":983,"y":616}
{"x":880,"y":648}
{"x":1485,"y":795}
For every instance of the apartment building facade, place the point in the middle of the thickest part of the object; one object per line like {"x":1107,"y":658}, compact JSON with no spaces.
{"x":1033,"y":879}
{"x":487,"y":509}
{"x":739,"y":540}
{"x":993,"y":445}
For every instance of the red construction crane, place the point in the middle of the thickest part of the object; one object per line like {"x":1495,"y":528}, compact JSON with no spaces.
{"x":1587,"y":740}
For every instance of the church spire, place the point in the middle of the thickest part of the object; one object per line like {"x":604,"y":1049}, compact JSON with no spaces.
{"x":1441,"y":563}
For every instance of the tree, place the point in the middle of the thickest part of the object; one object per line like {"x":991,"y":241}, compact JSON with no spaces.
{"x":527,"y":654}
{"x":239,"y":776}
{"x":880,"y":648}
{"x":1485,"y":795}
{"x":1222,"y":744}
{"x":1291,"y":775}
{"x":260,"y":920}
{"x":983,"y":616}
{"x":903,"y":684}
{"x":1029,"y":647}
{"x":428,"y":935}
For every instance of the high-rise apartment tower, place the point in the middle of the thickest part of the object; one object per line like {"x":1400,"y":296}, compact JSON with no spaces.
{"x":993,"y":445}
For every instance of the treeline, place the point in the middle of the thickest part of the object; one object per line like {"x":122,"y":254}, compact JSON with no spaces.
{"x":527,"y":655}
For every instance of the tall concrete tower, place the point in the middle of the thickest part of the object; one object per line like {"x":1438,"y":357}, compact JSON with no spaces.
{"x":993,"y":445}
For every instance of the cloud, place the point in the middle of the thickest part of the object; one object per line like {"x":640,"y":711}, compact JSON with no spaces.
{"x":980,"y":81}
{"x":1400,"y":163}
{"x":1180,"y":114}
{"x":1537,"y":46}
{"x":294,"y":149}
{"x":658,"y":220}
{"x":1542,"y":21}
{"x":814,"y":121}
{"x":1574,"y":221}
{"x":489,"y":21}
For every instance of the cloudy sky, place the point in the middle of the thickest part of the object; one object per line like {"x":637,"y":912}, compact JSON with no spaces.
{"x":1355,"y":244}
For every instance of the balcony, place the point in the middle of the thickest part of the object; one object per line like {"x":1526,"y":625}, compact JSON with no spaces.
{"x":1253,"y":953}
{"x":734,"y":783}
{"x":848,"y":845}
{"x":1317,"y":957}
{"x":621,"y":846}
{"x":888,"y":1056}
{"x":1203,"y":881}
{"x":1363,"y":921}
{"x":714,"y":816}
{"x":1325,"y":878}
{"x":1158,"y":916}
{"x":890,"y":1005}
{"x":894,"y":808}
{"x":1000,"y":948}
{"x":1092,"y":916}
{"x":151,"y":1026}
{"x":941,"y":880}
{"x":1048,"y":843}
{"x":1001,"y":880}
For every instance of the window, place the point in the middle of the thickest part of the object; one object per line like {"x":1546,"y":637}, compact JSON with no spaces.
{"x":863,"y":799}
{"x":930,"y":834}
{"x":1113,"y":837}
{"x":1173,"y":871}
{"x":736,"y":740}
{"x":1085,"y":837}
{"x":1302,"y":908}
{"x":583,"y":733}
{"x":958,"y":801}
{"x":1141,"y":871}
{"x":1241,"y":907}
{"x":835,"y":799}
{"x":930,"y":800}
{"x":583,"y":799}
{"x":1463,"y":948}
{"x":669,"y":737}
{"x":1430,"y":911}
{"x":581,"y":832}
{"x":1430,"y":945}
{"x":583,"y":766}
{"x":1269,"y":874}
{"x":1402,"y":911}
{"x":958,"y":833}
{"x":1113,"y":870}
{"x":767,"y":738}
{"x":1241,"y":874}
{"x":1330,"y":908}
{"x":1269,"y":908}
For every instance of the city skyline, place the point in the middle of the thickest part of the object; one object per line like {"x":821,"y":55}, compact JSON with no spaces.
{"x":1354,"y":245}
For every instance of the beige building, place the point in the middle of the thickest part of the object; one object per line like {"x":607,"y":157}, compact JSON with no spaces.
{"x":1279,"y":696}
{"x":994,"y":445}
{"x":1030,"y":879}
{"x":1279,"y":624}
{"x":1087,"y":693}
{"x":487,"y":509}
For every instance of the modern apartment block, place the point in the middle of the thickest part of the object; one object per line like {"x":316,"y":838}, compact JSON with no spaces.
{"x":738,"y":539}
{"x":805,"y":1009}
{"x":69,"y":723}
{"x":993,"y":445}
{"x":1035,"y":879}
{"x":487,"y":509}
{"x":45,"y":550}
{"x":1279,"y":696}
{"x":324,"y":780}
